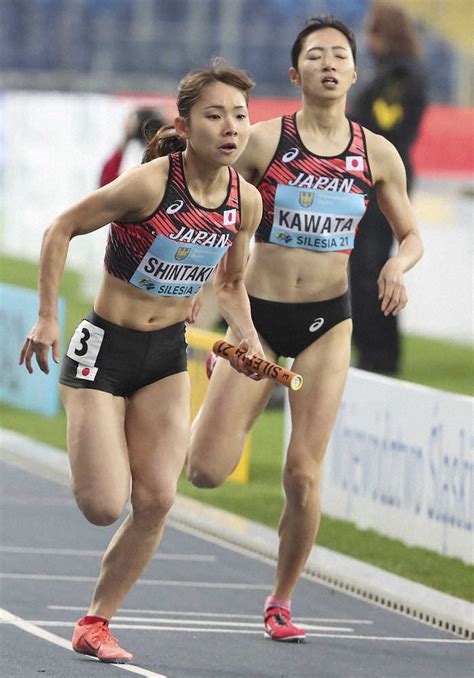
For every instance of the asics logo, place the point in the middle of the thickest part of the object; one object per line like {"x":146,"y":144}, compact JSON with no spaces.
{"x":174,"y":207}
{"x":290,"y":155}
{"x":316,"y":324}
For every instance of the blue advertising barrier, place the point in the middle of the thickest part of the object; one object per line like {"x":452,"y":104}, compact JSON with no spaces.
{"x":37,"y":392}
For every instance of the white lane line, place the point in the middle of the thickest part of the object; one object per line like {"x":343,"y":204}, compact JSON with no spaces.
{"x":30,"y":627}
{"x":220,"y":615}
{"x":341,"y":629}
{"x":143,"y":582}
{"x":118,"y":622}
{"x":6,"y":500}
{"x":398,"y":639}
{"x":146,"y":627}
{"x":37,"y":502}
{"x":93,"y":554}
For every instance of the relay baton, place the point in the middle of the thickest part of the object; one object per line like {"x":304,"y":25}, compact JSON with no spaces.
{"x":264,"y":368}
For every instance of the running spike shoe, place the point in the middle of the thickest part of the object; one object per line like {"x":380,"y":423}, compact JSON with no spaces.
{"x":95,"y":640}
{"x":278,"y":626}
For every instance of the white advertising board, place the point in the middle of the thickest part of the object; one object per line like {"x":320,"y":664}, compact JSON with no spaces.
{"x":401,"y":461}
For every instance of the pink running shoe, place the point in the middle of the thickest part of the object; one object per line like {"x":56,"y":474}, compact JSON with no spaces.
{"x":210,"y":364}
{"x":95,"y":640}
{"x":278,"y":626}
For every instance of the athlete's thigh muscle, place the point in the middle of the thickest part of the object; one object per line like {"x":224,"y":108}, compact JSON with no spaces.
{"x":157,"y":427}
{"x":97,"y":446}
{"x":324,"y":366}
{"x":231,"y":405}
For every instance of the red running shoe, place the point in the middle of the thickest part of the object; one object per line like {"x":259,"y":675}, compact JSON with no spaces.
{"x":95,"y":640}
{"x":210,"y":364}
{"x":278,"y":626}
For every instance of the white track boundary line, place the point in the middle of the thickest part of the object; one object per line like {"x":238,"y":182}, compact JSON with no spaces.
{"x":9,"y":618}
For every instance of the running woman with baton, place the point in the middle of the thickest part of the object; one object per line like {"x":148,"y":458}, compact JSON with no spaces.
{"x":315,"y":170}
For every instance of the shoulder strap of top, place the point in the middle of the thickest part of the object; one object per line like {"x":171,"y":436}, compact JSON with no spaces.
{"x":234,"y":192}
{"x":289,"y":124}
{"x":357,"y":145}
{"x":176,"y":165}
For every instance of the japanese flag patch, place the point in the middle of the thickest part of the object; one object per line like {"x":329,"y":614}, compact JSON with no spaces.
{"x":85,"y":372}
{"x":355,"y":163}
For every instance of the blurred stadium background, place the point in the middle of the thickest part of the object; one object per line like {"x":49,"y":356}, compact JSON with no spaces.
{"x":71,"y":71}
{"x":147,"y":45}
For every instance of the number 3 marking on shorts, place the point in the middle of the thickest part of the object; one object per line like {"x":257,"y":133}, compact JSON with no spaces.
{"x":84,"y":339}
{"x":85,"y":344}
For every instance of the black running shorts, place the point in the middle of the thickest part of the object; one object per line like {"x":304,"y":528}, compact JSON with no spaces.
{"x":111,"y":358}
{"x":290,"y":328}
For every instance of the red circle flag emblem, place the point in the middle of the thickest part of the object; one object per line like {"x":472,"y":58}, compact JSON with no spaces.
{"x":355,"y":162}
{"x":85,"y":371}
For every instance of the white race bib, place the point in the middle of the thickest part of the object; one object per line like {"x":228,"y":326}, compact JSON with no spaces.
{"x":85,"y":344}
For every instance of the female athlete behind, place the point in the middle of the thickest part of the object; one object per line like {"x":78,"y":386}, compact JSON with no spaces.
{"x":315,"y":170}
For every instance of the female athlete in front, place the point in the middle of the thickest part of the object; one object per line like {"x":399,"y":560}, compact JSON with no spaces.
{"x":124,"y":382}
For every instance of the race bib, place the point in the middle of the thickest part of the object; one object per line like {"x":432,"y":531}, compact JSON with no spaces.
{"x":317,"y":220}
{"x":175,"y":269}
{"x":85,"y":344}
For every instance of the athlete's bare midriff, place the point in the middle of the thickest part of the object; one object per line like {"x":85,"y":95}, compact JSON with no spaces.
{"x":121,"y":303}
{"x":294,"y":276}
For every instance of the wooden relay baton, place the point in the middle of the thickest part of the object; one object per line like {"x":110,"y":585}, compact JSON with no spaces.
{"x":264,"y":368}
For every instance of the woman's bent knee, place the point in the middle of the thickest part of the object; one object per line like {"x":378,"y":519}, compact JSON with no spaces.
{"x":203,"y":478}
{"x":100,"y":513}
{"x":98,"y":506}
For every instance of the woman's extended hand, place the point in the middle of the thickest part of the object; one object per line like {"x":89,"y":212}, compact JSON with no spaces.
{"x":43,"y":335}
{"x":392,"y":291}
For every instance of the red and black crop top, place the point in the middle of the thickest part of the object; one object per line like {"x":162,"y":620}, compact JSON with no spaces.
{"x":314,"y":202}
{"x":174,"y":251}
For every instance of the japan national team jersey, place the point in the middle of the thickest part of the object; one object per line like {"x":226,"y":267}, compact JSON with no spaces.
{"x":176,"y":250}
{"x":310,"y":201}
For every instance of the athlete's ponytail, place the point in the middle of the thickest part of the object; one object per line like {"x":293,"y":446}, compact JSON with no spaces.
{"x":166,"y":140}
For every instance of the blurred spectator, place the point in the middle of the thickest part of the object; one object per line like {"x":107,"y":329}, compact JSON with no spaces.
{"x":392,"y":105}
{"x":137,"y":121}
